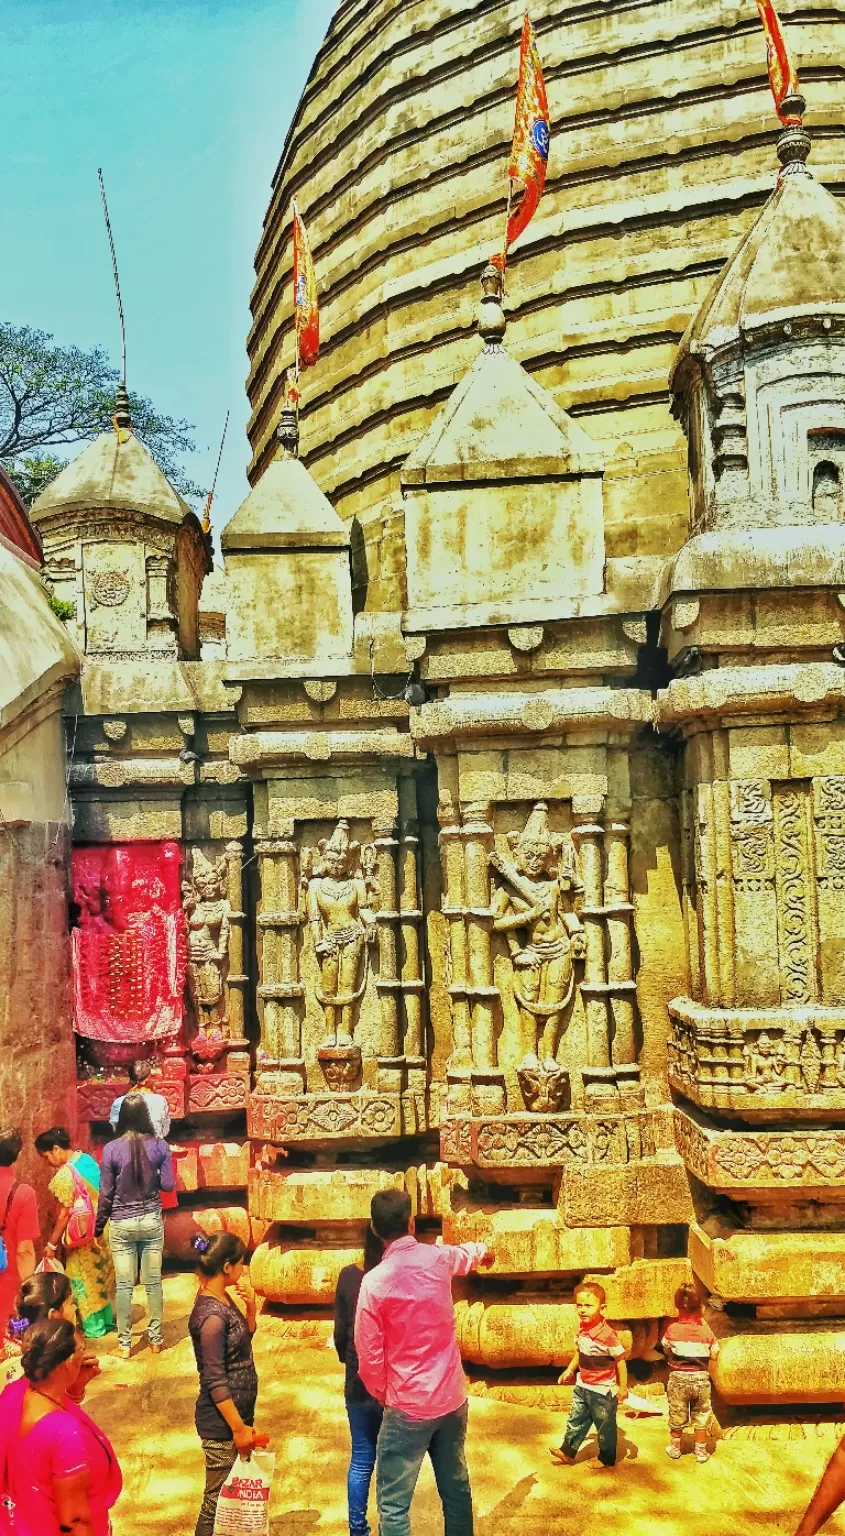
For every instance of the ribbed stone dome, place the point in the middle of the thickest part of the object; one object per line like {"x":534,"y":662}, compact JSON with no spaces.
{"x":662,"y":155}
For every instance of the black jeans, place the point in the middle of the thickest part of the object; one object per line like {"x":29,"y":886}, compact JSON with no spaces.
{"x":402,"y":1446}
{"x":598,"y":1408}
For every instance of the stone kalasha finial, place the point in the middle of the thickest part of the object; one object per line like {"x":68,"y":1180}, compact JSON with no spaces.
{"x":287,"y":432}
{"x":122,"y":417}
{"x":794,"y":141}
{"x":491,"y":316}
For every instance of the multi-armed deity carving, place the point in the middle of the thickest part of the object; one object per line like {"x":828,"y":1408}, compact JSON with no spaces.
{"x":128,"y":943}
{"x":338,"y":892}
{"x":534,"y":906}
{"x":208,"y":917}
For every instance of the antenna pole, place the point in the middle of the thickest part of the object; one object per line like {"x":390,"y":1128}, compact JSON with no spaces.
{"x":116,"y":279}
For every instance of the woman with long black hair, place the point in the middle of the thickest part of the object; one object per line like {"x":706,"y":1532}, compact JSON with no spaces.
{"x":362,"y":1410}
{"x":221,"y":1332}
{"x":134,"y":1171}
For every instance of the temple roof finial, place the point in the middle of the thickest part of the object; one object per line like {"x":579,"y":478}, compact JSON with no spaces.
{"x":793,"y":141}
{"x":491,"y":316}
{"x":122,"y":416}
{"x":287,"y":432}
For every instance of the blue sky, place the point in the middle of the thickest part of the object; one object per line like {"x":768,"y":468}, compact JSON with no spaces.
{"x":185,"y":104}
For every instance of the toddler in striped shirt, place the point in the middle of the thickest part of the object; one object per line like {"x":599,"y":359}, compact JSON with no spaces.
{"x":689,"y":1346}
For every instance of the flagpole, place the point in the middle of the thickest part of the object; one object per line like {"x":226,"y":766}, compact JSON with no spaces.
{"x":505,"y":245}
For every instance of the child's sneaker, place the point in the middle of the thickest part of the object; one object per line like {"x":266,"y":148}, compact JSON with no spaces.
{"x":673,"y":1450}
{"x":701,"y":1453}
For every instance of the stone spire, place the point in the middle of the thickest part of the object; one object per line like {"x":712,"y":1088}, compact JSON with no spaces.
{"x":122,"y":416}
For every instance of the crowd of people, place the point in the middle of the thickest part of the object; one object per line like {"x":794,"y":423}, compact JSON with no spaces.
{"x":394,"y":1331}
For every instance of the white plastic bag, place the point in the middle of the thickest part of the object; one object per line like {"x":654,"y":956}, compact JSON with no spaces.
{"x":243,"y":1508}
{"x":49,"y":1266}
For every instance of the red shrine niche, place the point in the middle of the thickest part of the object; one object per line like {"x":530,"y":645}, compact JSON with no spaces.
{"x":129,"y":943}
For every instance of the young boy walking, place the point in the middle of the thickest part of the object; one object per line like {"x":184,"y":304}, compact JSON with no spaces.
{"x":601,"y":1382}
{"x":689,"y":1347}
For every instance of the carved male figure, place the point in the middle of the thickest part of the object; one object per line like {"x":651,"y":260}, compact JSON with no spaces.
{"x":207,"y":913}
{"x":536,"y":897}
{"x":342,"y":924}
{"x":766,"y":1063}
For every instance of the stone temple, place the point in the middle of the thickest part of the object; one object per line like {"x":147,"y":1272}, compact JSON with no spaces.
{"x":479,"y":827}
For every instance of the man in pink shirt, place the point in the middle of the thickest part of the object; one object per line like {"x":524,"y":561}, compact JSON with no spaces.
{"x":408,"y":1360}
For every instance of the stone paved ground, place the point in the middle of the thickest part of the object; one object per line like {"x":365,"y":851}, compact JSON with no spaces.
{"x":764,"y":1474}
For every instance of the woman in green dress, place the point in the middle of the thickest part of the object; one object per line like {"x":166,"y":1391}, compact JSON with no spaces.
{"x":87,"y":1259}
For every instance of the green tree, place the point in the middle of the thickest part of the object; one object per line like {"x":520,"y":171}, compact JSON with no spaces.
{"x":52,"y":397}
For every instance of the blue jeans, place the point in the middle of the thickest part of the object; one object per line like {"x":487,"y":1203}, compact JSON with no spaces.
{"x":402,"y":1446}
{"x":364,"y":1424}
{"x":598,"y":1408}
{"x":134,"y":1242}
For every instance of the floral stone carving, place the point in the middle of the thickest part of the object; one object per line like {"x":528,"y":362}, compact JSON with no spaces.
{"x":535,"y":898}
{"x":128,"y":945}
{"x":343,"y":925}
{"x":341,"y":1066}
{"x":207,"y":913}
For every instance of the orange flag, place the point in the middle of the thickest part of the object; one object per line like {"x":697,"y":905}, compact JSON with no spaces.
{"x":783,"y":76}
{"x":305,"y":306}
{"x":531,"y":138}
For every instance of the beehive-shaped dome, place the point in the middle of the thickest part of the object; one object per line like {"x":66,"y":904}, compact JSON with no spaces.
{"x":661,"y":154}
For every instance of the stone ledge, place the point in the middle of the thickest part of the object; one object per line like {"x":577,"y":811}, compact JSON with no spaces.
{"x":779,"y":1362}
{"x":211,"y":1165}
{"x":547,"y":1141}
{"x":331,"y":1117}
{"x":770,"y":1266}
{"x":763,"y":1162}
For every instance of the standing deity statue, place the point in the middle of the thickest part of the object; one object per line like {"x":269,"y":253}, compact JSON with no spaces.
{"x":342,"y":924}
{"x":536,"y":896}
{"x":207,"y":913}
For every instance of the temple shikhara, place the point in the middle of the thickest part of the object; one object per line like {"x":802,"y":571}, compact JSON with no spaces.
{"x":471,"y":820}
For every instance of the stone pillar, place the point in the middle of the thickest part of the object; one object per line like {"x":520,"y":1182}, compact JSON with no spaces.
{"x":478,"y":840}
{"x":452,"y":860}
{"x":236,"y":981}
{"x":387,"y":917}
{"x":410,"y":916}
{"x":588,"y":832}
{"x":280,"y":990}
{"x":620,"y":969}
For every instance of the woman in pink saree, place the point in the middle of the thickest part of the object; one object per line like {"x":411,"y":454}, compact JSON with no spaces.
{"x":58,"y":1471}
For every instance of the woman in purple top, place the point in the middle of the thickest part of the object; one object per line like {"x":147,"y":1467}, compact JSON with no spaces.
{"x":134,"y":1170}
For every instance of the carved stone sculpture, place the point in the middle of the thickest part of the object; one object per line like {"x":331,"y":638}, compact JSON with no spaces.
{"x":128,"y":943}
{"x":535,"y":897}
{"x":207,"y":913}
{"x":343,"y":925}
{"x":766,"y":1064}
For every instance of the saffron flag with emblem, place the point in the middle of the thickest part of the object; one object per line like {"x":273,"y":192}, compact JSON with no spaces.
{"x":531,"y":138}
{"x":783,"y":76}
{"x":305,"y":305}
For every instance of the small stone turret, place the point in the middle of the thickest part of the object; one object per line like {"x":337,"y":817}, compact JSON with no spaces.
{"x":124,"y":548}
{"x":287,"y":565}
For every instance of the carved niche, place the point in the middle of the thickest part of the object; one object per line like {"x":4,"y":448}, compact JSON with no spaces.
{"x":208,"y":919}
{"x":128,"y":942}
{"x":534,"y":907}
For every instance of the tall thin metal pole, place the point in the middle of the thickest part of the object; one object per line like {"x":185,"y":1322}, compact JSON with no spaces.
{"x":116,"y":278}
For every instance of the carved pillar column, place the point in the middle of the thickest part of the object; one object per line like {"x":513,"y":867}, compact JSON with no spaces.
{"x":387,"y":916}
{"x":280,"y":990}
{"x":410,"y":916}
{"x":620,"y":969}
{"x":236,"y":980}
{"x":478,"y":840}
{"x":452,"y":860}
{"x":588,"y":830}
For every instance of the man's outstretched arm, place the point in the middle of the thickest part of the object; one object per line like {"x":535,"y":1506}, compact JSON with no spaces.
{"x":828,"y":1496}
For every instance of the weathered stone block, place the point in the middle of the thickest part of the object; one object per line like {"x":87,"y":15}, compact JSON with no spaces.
{"x":317,"y":1195}
{"x":211,"y":1165}
{"x":529,"y":1332}
{"x":769,"y":1163}
{"x":779,"y":1363}
{"x":318,"y":1118}
{"x":645,"y":1288}
{"x":769,"y":1266}
{"x":297,"y":1276}
{"x":641,"y":1194}
{"x":180,"y":1226}
{"x":526,"y":1241}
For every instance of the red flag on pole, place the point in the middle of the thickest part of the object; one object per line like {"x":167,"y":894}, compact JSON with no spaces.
{"x":531,"y":139}
{"x":783,"y":76}
{"x":305,"y":306}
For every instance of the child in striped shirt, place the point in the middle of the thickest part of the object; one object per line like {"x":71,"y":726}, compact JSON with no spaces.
{"x":689,"y":1347}
{"x":602,"y":1379}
